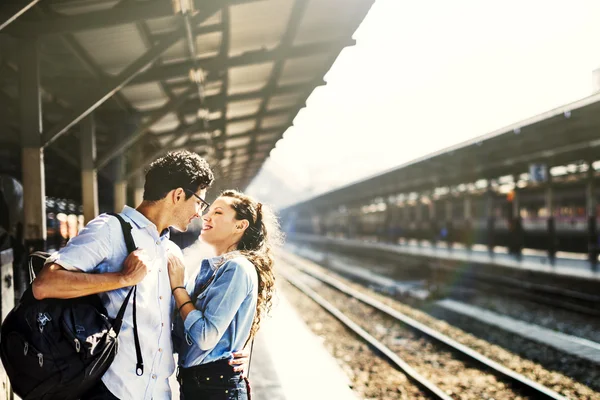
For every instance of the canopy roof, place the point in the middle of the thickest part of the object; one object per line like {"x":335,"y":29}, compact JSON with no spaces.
{"x":225,"y":80}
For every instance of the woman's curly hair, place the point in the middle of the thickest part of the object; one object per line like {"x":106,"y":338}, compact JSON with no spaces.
{"x":257,"y":244}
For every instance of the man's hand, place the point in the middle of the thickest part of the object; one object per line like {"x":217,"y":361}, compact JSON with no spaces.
{"x":240,"y":361}
{"x":135,"y":267}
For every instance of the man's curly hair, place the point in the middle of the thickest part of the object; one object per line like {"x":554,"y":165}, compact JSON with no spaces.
{"x":178,"y":169}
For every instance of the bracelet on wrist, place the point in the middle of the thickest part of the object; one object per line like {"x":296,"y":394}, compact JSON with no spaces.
{"x":177,"y":287}
{"x":181,"y":306}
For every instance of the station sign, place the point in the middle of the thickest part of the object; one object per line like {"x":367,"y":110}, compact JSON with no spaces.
{"x":538,"y":172}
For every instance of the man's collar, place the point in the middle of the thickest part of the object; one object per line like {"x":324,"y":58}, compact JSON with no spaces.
{"x":142,"y":222}
{"x":136,"y":217}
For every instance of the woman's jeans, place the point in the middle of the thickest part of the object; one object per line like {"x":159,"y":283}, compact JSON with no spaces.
{"x":212,"y":381}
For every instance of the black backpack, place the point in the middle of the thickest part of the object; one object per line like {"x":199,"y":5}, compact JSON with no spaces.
{"x":58,"y":349}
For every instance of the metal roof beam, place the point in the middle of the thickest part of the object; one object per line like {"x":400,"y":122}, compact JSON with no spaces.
{"x":224,"y":55}
{"x":143,"y":129}
{"x":249,"y":58}
{"x":181,"y":131}
{"x":224,"y":138}
{"x":14,"y":10}
{"x":218,"y":102}
{"x":220,"y":123}
{"x":118,"y":82}
{"x":71,"y":43}
{"x":130,"y":12}
{"x":284,"y":47}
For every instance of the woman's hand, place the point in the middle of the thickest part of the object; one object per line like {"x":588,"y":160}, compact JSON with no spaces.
{"x":176,"y":270}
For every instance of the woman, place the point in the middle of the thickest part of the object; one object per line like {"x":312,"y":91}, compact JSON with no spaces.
{"x":221,"y":307}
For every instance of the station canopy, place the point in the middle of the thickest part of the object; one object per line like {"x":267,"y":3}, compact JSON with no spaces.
{"x":566,"y":134}
{"x":224,"y":78}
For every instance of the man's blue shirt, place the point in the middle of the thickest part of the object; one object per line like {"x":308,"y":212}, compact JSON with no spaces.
{"x":100,"y":248}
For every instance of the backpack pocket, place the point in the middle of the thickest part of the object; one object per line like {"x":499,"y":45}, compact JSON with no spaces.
{"x":85,"y":328}
{"x":34,"y":367}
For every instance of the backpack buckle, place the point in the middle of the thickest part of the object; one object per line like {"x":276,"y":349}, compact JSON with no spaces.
{"x":43,"y":319}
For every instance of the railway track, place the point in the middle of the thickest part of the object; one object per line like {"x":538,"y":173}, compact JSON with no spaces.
{"x":463,"y":359}
{"x":566,"y":299}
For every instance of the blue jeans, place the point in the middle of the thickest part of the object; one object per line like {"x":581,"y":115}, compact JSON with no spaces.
{"x":212,"y":381}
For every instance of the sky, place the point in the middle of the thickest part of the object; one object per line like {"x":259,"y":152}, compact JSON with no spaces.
{"x":425,"y":75}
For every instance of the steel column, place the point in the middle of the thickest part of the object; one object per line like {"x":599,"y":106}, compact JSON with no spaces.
{"x":89,"y":176}
{"x":433,"y":224}
{"x":516,"y":227}
{"x":592,"y":231}
{"x":418,"y":220}
{"x":34,"y":190}
{"x":449,"y":220}
{"x":390,"y":220}
{"x":138,"y":180}
{"x":491,"y":219}
{"x":550,"y":223}
{"x":120,"y":185}
{"x":467,"y":236}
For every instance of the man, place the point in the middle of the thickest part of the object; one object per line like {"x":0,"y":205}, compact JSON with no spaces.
{"x":174,"y":190}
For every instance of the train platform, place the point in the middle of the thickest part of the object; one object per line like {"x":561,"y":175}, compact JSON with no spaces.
{"x":289,"y":362}
{"x":582,"y":348}
{"x":530,"y":260}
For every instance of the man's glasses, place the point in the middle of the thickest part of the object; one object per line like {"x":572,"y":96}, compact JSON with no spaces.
{"x":204,"y":206}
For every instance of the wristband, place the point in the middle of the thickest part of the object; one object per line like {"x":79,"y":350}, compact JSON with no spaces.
{"x":181,"y":306}
{"x":175,"y":288}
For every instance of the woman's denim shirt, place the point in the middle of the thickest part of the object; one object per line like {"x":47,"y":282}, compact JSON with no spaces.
{"x":224,"y":312}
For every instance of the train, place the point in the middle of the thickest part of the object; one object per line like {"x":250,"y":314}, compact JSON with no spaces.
{"x":486,"y":218}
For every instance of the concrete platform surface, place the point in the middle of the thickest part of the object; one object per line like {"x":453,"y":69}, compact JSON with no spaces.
{"x":289,"y":362}
{"x":573,"y":345}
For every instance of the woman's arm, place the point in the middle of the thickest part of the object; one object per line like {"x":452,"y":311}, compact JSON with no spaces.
{"x":224,"y":298}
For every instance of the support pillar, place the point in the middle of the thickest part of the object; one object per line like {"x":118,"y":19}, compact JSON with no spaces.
{"x":405,"y":225}
{"x":491,"y":219}
{"x":390,"y":221}
{"x":551,"y":225}
{"x":515,"y":223}
{"x":449,"y":217}
{"x":138,"y":180}
{"x":34,"y":190}
{"x":120,"y":186}
{"x":592,"y":231}
{"x":468,"y":223}
{"x":433,"y":225}
{"x":89,"y":175}
{"x":418,"y":231}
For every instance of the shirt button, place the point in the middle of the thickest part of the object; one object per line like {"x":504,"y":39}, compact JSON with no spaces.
{"x":158,"y":242}
{"x":160,"y":350}
{"x":160,"y":297}
{"x":153,"y":376}
{"x":160,"y":270}
{"x":162,"y":324}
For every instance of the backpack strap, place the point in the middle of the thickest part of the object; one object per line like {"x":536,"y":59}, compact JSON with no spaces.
{"x":130,"y":243}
